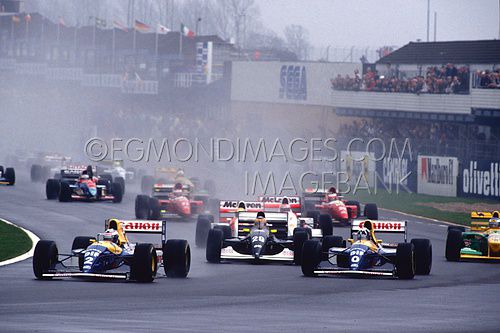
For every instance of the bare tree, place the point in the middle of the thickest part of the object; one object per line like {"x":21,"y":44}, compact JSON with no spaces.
{"x":297,"y":40}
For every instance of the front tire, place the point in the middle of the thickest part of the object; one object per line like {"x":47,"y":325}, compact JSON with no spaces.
{"x":10,"y":176}
{"x":142,"y":207}
{"x":214,"y":246}
{"x":311,"y":257}
{"x":299,"y":238}
{"x":371,"y":211}
{"x":65,"y":192}
{"x":326,"y":224}
{"x":423,"y":256}
{"x":144,"y":265}
{"x":405,"y":261}
{"x":177,"y":258}
{"x":117,"y":192}
{"x":44,"y":258}
{"x":203,"y":226}
{"x":454,"y":243}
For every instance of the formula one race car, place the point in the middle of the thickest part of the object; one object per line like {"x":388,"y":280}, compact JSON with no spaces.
{"x":110,"y":255}
{"x":260,"y":235}
{"x":321,"y":202}
{"x":7,"y":176}
{"x":114,"y":170}
{"x":368,"y":256}
{"x":168,"y":200}
{"x":79,"y":183}
{"x":482,"y":242}
{"x":47,"y":164}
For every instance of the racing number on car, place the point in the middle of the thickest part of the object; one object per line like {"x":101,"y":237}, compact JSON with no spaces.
{"x":260,"y":239}
{"x":356,"y":255}
{"x":90,"y":257}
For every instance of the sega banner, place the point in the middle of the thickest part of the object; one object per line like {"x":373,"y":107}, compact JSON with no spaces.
{"x":437,"y":175}
{"x":480,"y":178}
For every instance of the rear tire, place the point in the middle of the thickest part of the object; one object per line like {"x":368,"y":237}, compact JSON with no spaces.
{"x":299,"y":238}
{"x":142,"y":207}
{"x":214,"y":246}
{"x":405,"y":261}
{"x":52,"y":188}
{"x":456,"y":227}
{"x":117,"y":192}
{"x":120,"y":181}
{"x":355,"y":203}
{"x":203,"y":226}
{"x":371,"y":211}
{"x":311,"y":257}
{"x":10,"y":176}
{"x":44,"y":258}
{"x":326,"y":224}
{"x":423,"y":256}
{"x":454,"y":243}
{"x":226,"y":231}
{"x":177,"y":258}
{"x":144,"y":265}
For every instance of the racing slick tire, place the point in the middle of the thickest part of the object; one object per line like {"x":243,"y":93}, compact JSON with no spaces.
{"x":454,"y":243}
{"x":117,"y":192}
{"x":299,"y":238}
{"x":142,"y":207}
{"x":65,"y":192}
{"x":209,"y":217}
{"x":405,"y":261}
{"x":10,"y":176}
{"x":203,"y":226}
{"x":314,"y":214}
{"x":307,"y":230}
{"x":226,"y":231}
{"x":81,"y":242}
{"x":311,"y":257}
{"x":147,"y":183}
{"x":52,"y":188}
{"x":355,"y":203}
{"x":329,"y":242}
{"x":176,"y":258}
{"x":326,"y":224}
{"x":36,"y":173}
{"x":214,"y":245}
{"x":106,"y":176}
{"x":456,"y":227}
{"x":154,"y":209}
{"x":423,"y":256}
{"x":44,"y":258}
{"x":144,"y":265}
{"x":371,"y":211}
{"x":1,"y":169}
{"x":120,"y":181}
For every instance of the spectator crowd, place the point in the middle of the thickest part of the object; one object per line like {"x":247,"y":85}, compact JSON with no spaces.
{"x":487,"y":79}
{"x":438,"y":80}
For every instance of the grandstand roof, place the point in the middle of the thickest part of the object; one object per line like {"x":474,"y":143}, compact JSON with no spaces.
{"x":456,"y":52}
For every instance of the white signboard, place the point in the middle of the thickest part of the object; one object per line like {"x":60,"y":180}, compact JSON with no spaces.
{"x":437,"y":175}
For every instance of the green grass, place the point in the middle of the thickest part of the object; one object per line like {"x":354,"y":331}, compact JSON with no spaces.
{"x":408,"y":203}
{"x":13,"y":241}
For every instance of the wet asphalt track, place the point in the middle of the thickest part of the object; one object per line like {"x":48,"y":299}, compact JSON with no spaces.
{"x":236,"y":297}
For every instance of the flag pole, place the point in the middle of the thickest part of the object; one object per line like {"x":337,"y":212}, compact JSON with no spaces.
{"x":58,"y":31}
{"x":93,"y":34}
{"x":180,"y":44}
{"x":156,"y":46}
{"x":134,"y":40}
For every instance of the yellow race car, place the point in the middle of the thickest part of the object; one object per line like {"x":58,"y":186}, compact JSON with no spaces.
{"x":481,"y":242}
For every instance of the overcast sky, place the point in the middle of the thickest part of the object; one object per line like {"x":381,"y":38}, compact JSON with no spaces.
{"x":344,"y":23}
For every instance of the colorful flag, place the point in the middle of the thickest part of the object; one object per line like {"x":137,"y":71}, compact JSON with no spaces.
{"x":141,"y":27}
{"x":186,"y":31}
{"x":27,"y":17}
{"x":119,"y":25}
{"x":16,"y":19}
{"x":61,"y":22}
{"x":162,"y":30}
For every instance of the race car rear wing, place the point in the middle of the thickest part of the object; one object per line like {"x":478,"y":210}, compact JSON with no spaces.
{"x":480,"y":220}
{"x":138,"y":227}
{"x":379,"y":226}
{"x":275,"y":202}
{"x":275,"y":221}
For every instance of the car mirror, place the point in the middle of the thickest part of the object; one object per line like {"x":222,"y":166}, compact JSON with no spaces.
{"x":245,"y":230}
{"x":274,"y":231}
{"x":379,"y":241}
{"x":350,"y":240}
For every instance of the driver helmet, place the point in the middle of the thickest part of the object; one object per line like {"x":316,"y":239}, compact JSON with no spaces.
{"x":180,"y":173}
{"x":241,"y":206}
{"x":494,"y":222}
{"x":110,"y":235}
{"x":332,"y":196}
{"x":363,"y":234}
{"x":260,"y":221}
{"x":285,"y":205}
{"x":84,"y":176}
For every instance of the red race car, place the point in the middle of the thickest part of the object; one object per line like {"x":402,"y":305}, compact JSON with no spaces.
{"x":168,"y":200}
{"x":329,"y":204}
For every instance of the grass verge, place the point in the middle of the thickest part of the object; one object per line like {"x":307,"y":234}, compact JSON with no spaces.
{"x":456,"y":210}
{"x":13,"y":241}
